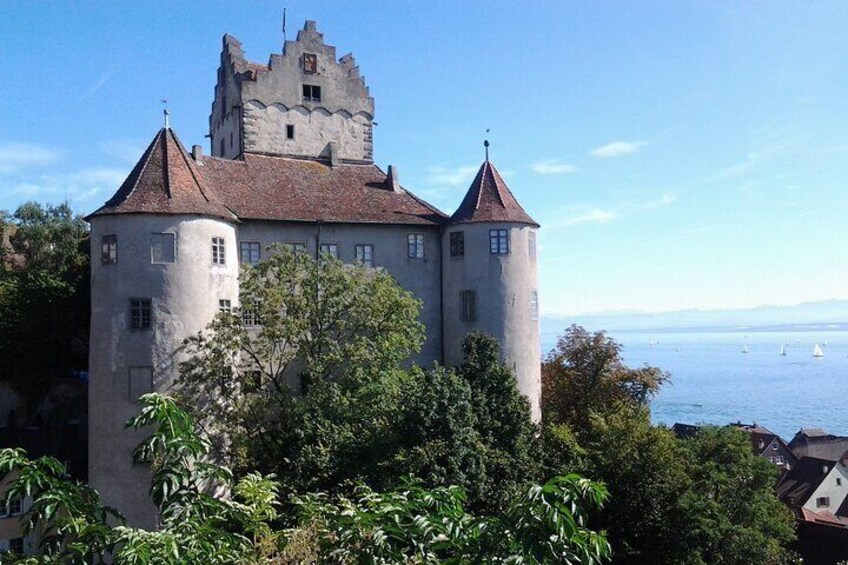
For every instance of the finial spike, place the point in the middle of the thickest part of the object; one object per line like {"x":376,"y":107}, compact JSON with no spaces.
{"x":167,"y":114}
{"x":486,"y":145}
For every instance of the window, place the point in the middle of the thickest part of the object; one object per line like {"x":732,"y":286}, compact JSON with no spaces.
{"x":163,"y":248}
{"x":838,"y":481}
{"x":468,"y":306}
{"x":109,"y":249}
{"x":310,"y":63}
{"x":225,"y":306}
{"x":331,"y":249}
{"x":457,"y":244}
{"x":415,"y":246}
{"x":822,"y":501}
{"x":295,"y":247}
{"x":218,"y":251}
{"x":249,"y":252}
{"x":16,"y":545}
{"x":534,"y":305}
{"x":774,"y":446}
{"x":221,"y":148}
{"x":311,"y":93}
{"x":289,"y":131}
{"x":231,"y":140}
{"x":249,"y":318}
{"x":531,"y":244}
{"x":140,"y":313}
{"x":141,"y":382}
{"x":12,"y":508}
{"x":498,"y":242}
{"x":779,"y":459}
{"x":365,"y":254}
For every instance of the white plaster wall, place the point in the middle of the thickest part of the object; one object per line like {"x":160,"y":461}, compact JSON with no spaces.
{"x":265,"y":131}
{"x":184,"y":297}
{"x":420,"y":276}
{"x":503,"y":284}
{"x":830,"y":489}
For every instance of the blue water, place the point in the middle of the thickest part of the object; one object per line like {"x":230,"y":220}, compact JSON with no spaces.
{"x":712,"y":381}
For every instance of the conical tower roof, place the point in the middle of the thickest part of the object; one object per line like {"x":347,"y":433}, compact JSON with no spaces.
{"x":490,"y":200}
{"x":165,"y":180}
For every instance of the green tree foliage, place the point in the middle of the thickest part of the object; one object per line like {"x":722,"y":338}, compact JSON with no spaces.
{"x":703,"y":500}
{"x":44,"y":296}
{"x":585,"y":374}
{"x":363,"y":417}
{"x":409,"y":525}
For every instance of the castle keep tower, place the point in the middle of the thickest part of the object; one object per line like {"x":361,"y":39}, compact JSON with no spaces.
{"x":303,"y":103}
{"x":167,"y":264}
{"x":489,"y":279}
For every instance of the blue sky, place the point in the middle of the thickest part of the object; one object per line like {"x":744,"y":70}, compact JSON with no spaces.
{"x":678,"y":154}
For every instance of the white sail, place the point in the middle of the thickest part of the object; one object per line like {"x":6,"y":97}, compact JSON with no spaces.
{"x":817,"y":352}
{"x":745,"y":349}
{"x":783,"y":350}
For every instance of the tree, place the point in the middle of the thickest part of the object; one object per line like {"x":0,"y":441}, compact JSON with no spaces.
{"x":584,"y":373}
{"x":44,"y":296}
{"x":410,"y":524}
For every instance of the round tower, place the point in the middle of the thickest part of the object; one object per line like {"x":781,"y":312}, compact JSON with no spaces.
{"x":166,"y":265}
{"x":490,"y":281}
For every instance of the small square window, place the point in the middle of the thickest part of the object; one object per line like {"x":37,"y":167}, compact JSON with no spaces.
{"x":534,"y":305}
{"x":331,"y":249}
{"x":457,"y":244}
{"x":468,"y":306}
{"x":310,"y":63}
{"x":311,"y":93}
{"x":838,"y":481}
{"x":225,"y":306}
{"x":163,"y":248}
{"x":219,"y":256}
{"x":289,"y":131}
{"x":249,"y":252}
{"x":365,"y":254}
{"x":295,"y":247}
{"x":499,"y":242}
{"x":140,"y":313}
{"x":249,"y":318}
{"x":822,"y":501}
{"x":221,"y":148}
{"x":415,"y":246}
{"x":531,"y":244}
{"x":13,"y":508}
{"x":109,"y":249}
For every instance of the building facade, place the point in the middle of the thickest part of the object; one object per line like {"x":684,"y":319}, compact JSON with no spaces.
{"x":292,"y":163}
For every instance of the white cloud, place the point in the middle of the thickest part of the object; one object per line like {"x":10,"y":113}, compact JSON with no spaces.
{"x":666,"y":199}
{"x":451,"y":176}
{"x":127,"y":150}
{"x":593,"y":216}
{"x":553,"y":168}
{"x":76,"y":187}
{"x":17,"y":156}
{"x":618,"y":148}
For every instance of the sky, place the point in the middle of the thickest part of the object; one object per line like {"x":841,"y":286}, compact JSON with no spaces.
{"x":678,"y":154}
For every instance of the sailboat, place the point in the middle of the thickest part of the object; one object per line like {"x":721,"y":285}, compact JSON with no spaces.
{"x":745,"y":348}
{"x":817,"y":352}
{"x":783,"y":351}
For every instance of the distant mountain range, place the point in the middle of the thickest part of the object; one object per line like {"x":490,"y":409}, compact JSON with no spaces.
{"x":807,"y":316}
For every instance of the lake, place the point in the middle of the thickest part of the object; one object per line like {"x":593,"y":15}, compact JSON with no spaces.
{"x":714,"y":382}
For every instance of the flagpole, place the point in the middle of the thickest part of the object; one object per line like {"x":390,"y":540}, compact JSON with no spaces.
{"x":284,"y":26}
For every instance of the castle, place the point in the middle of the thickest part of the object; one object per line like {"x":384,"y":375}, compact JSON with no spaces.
{"x":292,"y":163}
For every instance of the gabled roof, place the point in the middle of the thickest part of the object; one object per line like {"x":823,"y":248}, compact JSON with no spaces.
{"x":262,"y":187}
{"x":801,"y":481}
{"x":165,"y":180}
{"x":490,"y":200}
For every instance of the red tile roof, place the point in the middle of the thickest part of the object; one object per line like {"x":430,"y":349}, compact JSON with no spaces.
{"x":490,"y":200}
{"x":165,"y":181}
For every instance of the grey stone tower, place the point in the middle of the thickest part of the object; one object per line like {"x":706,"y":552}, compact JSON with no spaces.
{"x":489,"y":279}
{"x":304,"y":103}
{"x":167,"y":259}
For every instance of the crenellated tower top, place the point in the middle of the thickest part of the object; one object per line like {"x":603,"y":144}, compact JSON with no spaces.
{"x":305,"y":103}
